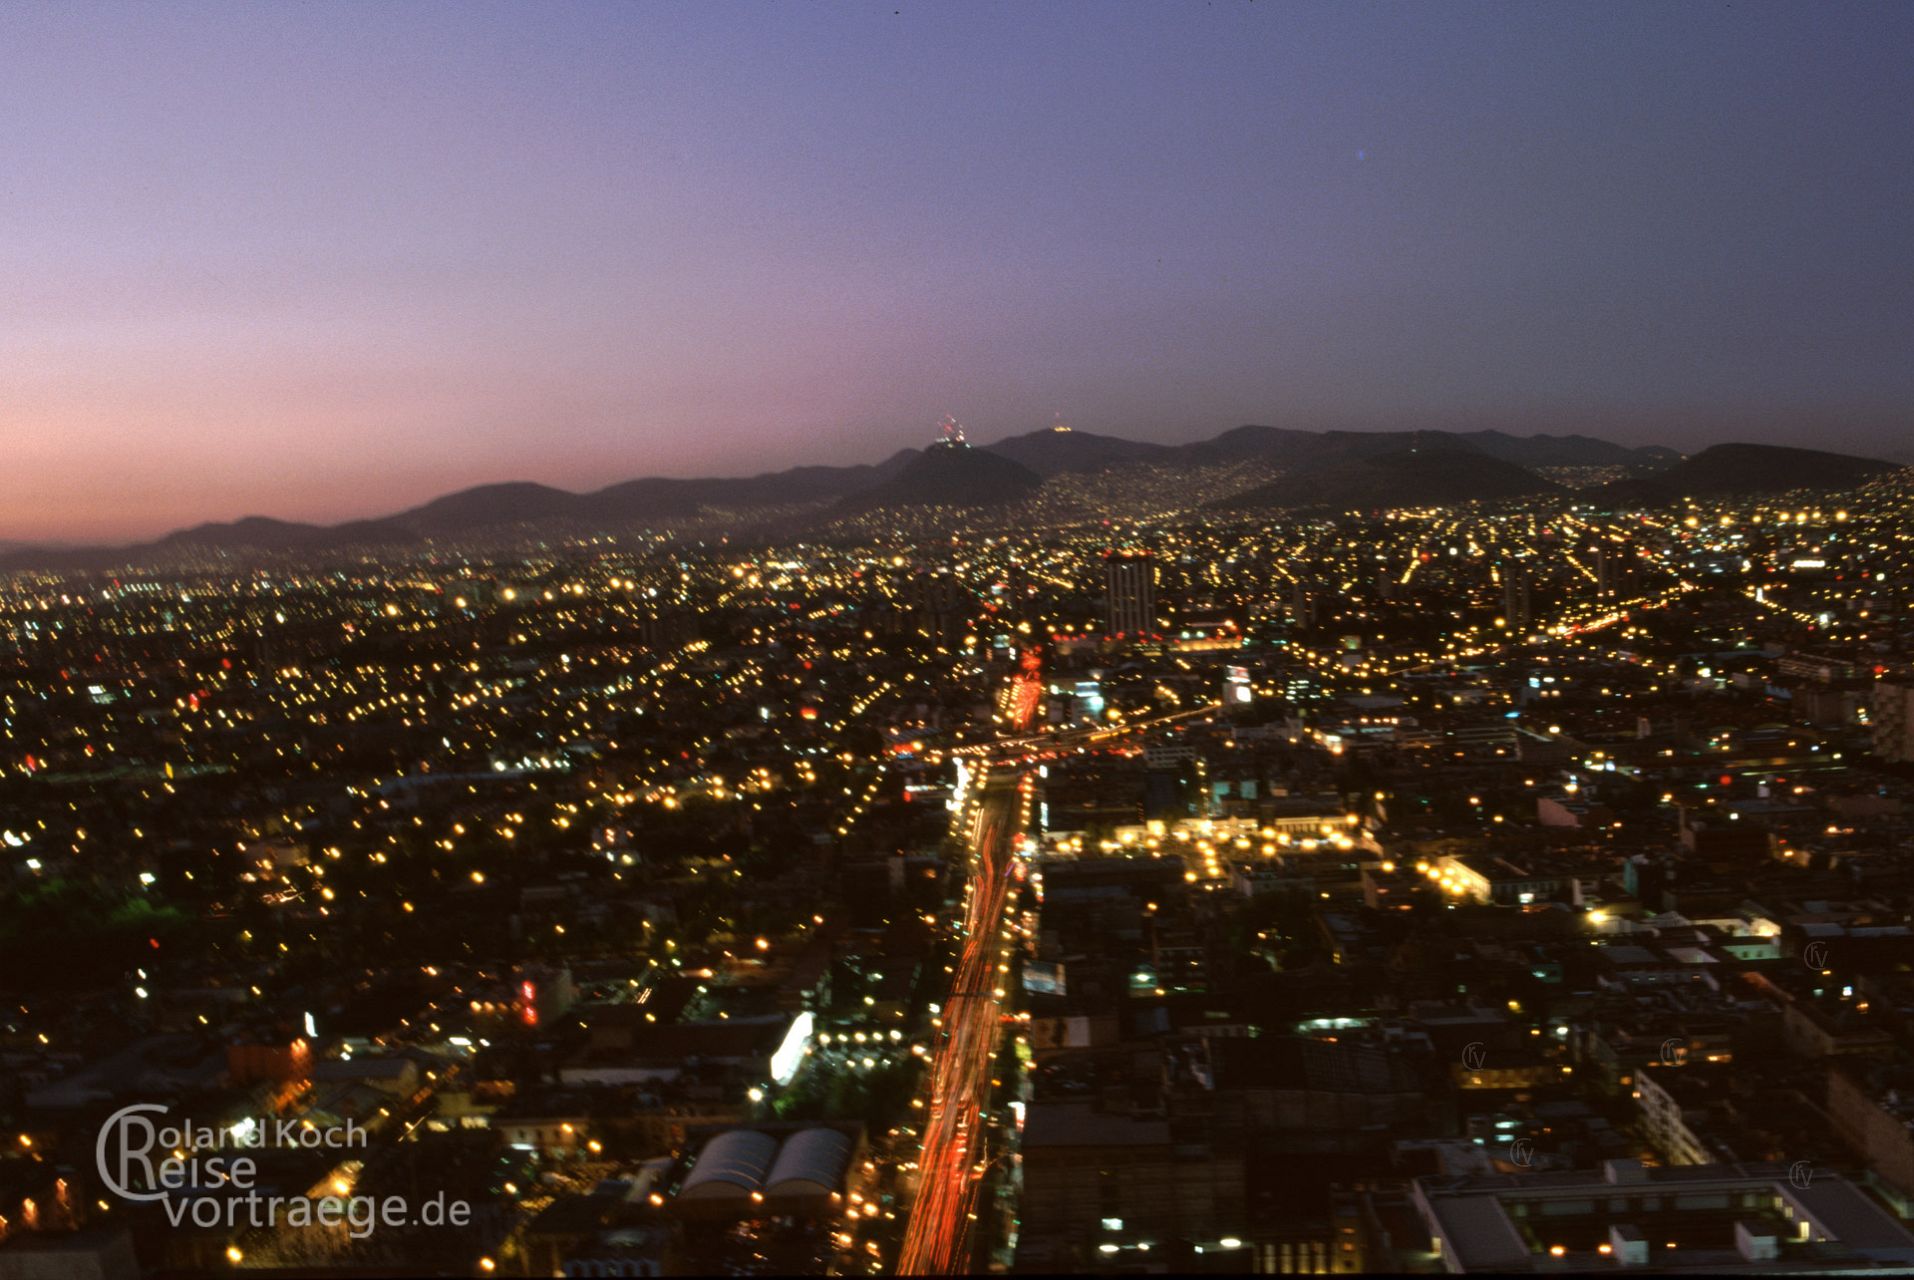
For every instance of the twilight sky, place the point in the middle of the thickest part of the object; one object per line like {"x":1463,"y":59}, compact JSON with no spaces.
{"x":328,"y":260}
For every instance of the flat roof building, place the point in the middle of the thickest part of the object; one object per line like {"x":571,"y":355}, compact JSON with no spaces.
{"x":1716,"y":1218}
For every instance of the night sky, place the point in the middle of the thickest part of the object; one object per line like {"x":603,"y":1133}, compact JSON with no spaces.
{"x":325,"y":260}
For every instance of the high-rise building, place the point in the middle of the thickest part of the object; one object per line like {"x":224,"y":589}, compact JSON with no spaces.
{"x":1130,"y":590}
{"x":1615,"y":566}
{"x":1518,"y":608}
{"x":1304,"y":599}
{"x":1892,"y":717}
{"x":941,"y":606}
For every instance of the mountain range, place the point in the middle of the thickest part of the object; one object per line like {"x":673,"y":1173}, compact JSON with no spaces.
{"x":1317,"y":468}
{"x":1411,"y":475}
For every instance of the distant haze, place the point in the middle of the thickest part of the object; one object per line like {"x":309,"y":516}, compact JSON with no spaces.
{"x":325,"y":261}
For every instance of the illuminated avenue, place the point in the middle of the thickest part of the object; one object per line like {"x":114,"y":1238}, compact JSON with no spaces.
{"x":955,"y":1146}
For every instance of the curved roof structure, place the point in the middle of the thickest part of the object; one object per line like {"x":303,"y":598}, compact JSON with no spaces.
{"x":811,"y":1160}
{"x":732,"y":1164}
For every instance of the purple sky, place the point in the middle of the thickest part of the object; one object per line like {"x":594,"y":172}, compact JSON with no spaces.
{"x":328,"y":260}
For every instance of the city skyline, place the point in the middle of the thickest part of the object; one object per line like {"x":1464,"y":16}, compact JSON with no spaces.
{"x":323,"y":269}
{"x":1088,"y":638}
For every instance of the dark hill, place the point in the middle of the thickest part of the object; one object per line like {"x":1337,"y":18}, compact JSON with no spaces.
{"x":1050,"y":452}
{"x":1410,"y":477}
{"x":1281,"y":445}
{"x":261,"y":533}
{"x":635,"y":501}
{"x":516,"y":502}
{"x":1565,"y":451}
{"x":657,"y":498}
{"x":950,"y":475}
{"x":1289,"y":447}
{"x":1747,"y":468}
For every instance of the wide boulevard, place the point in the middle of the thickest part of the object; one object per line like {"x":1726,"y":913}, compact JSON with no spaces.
{"x":937,"y":1240}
